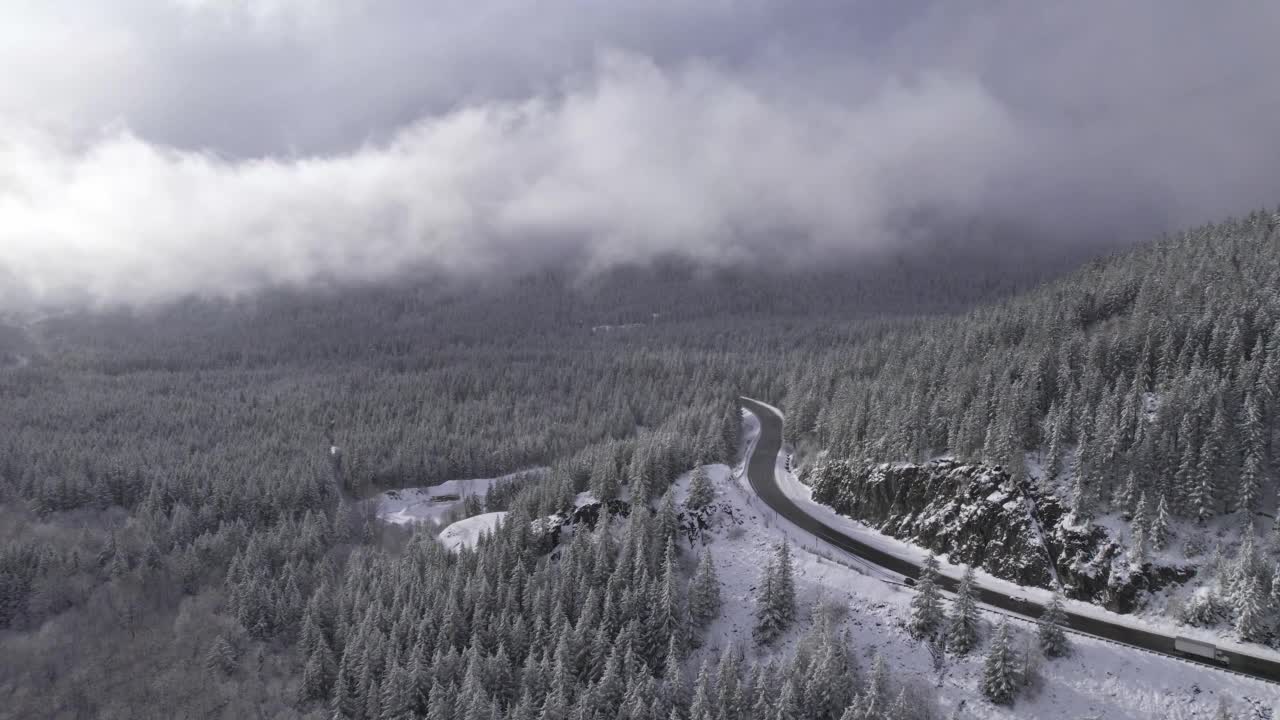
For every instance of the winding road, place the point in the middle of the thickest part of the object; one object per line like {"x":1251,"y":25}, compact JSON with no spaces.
{"x":760,"y":473}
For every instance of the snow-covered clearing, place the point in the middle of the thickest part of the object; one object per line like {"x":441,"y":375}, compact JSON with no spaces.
{"x":467,"y":532}
{"x":1099,"y":680}
{"x":433,"y":504}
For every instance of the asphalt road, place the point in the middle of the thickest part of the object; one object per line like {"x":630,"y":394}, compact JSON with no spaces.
{"x":760,"y":472}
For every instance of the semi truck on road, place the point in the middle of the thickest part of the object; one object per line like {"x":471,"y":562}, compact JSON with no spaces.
{"x":1199,"y":650}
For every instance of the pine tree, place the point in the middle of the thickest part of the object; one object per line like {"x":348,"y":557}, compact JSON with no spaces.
{"x":1127,"y":495}
{"x":962,"y":627}
{"x":731,"y":433}
{"x":317,"y":674}
{"x":701,"y":494}
{"x":673,"y":686}
{"x":1250,"y":610}
{"x":1206,"y":500}
{"x":899,"y":709}
{"x":1053,"y":460}
{"x":1159,"y":535}
{"x":605,"y":480}
{"x":704,"y":592}
{"x":728,"y":690}
{"x":926,"y":605}
{"x":1138,"y":547}
{"x":1140,"y":531}
{"x":856,"y":711}
{"x":611,"y":686}
{"x":1000,"y":669}
{"x":345,"y":702}
{"x":1053,"y":641}
{"x":776,"y":597}
{"x":397,"y":701}
{"x":1081,"y":493}
{"x":702,"y":706}
{"x":789,"y":701}
{"x":666,"y":611}
{"x":444,"y":700}
{"x":1251,"y":469}
{"x":878,"y":689}
{"x":667,"y":520}
{"x":221,"y":656}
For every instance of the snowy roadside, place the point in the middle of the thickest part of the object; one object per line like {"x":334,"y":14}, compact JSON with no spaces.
{"x":801,"y":495}
{"x":1099,"y":679}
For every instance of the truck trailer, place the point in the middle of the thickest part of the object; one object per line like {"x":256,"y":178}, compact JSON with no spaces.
{"x":1200,"y":650}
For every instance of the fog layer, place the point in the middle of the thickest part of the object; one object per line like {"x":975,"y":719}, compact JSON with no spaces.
{"x":220,"y":147}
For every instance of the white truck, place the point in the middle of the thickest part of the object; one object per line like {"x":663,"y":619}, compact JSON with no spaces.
{"x":1200,"y":650}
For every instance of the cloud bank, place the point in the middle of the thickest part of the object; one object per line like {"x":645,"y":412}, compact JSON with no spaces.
{"x":218,"y":147}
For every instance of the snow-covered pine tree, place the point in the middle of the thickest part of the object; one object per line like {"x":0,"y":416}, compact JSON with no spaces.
{"x":704,"y":592}
{"x":878,"y":686}
{"x":1140,"y":518}
{"x":701,"y":494}
{"x":667,"y":613}
{"x":1053,"y":459}
{"x":775,"y":597}
{"x":1159,"y":535}
{"x":1207,"y":500}
{"x":900,"y":709}
{"x":1251,"y":624}
{"x":856,"y":710}
{"x":1140,"y":531}
{"x":728,"y":695}
{"x":1246,"y":566}
{"x":1053,"y":641}
{"x":962,"y":626}
{"x":605,"y":479}
{"x":668,"y":521}
{"x":703,"y":705}
{"x":1128,"y":493}
{"x":221,"y":656}
{"x":1138,"y":547}
{"x":1000,"y":669}
{"x":731,"y":433}
{"x":926,"y":605}
{"x":1254,"y":448}
{"x":1185,"y":476}
{"x":1081,"y":493}
{"x":317,"y":674}
{"x":397,"y":701}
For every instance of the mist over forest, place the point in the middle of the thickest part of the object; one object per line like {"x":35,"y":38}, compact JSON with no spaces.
{"x":745,"y":360}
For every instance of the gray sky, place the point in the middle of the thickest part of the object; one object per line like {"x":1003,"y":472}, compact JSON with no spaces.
{"x":153,"y":149}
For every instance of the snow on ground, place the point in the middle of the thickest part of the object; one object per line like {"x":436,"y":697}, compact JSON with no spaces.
{"x":1099,"y":680}
{"x":1189,"y":544}
{"x":1151,"y":621}
{"x":467,"y":532}
{"x":434,"y":503}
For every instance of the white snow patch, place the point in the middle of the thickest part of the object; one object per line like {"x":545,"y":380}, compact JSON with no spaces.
{"x":467,"y":532}
{"x":434,"y":503}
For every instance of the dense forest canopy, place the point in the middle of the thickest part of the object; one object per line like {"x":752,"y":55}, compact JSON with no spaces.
{"x":184,"y":479}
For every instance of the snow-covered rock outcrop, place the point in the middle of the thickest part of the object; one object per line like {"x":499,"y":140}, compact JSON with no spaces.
{"x":976,"y":515}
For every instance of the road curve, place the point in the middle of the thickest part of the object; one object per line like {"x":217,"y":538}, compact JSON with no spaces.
{"x":760,"y":473}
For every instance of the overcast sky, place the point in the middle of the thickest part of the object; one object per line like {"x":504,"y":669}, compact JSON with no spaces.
{"x":154,"y":149}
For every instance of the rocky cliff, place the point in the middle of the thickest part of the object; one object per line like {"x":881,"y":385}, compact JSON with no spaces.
{"x":975,"y":514}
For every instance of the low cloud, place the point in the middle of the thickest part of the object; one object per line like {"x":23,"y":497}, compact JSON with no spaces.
{"x":633,"y":164}
{"x":722,"y":132}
